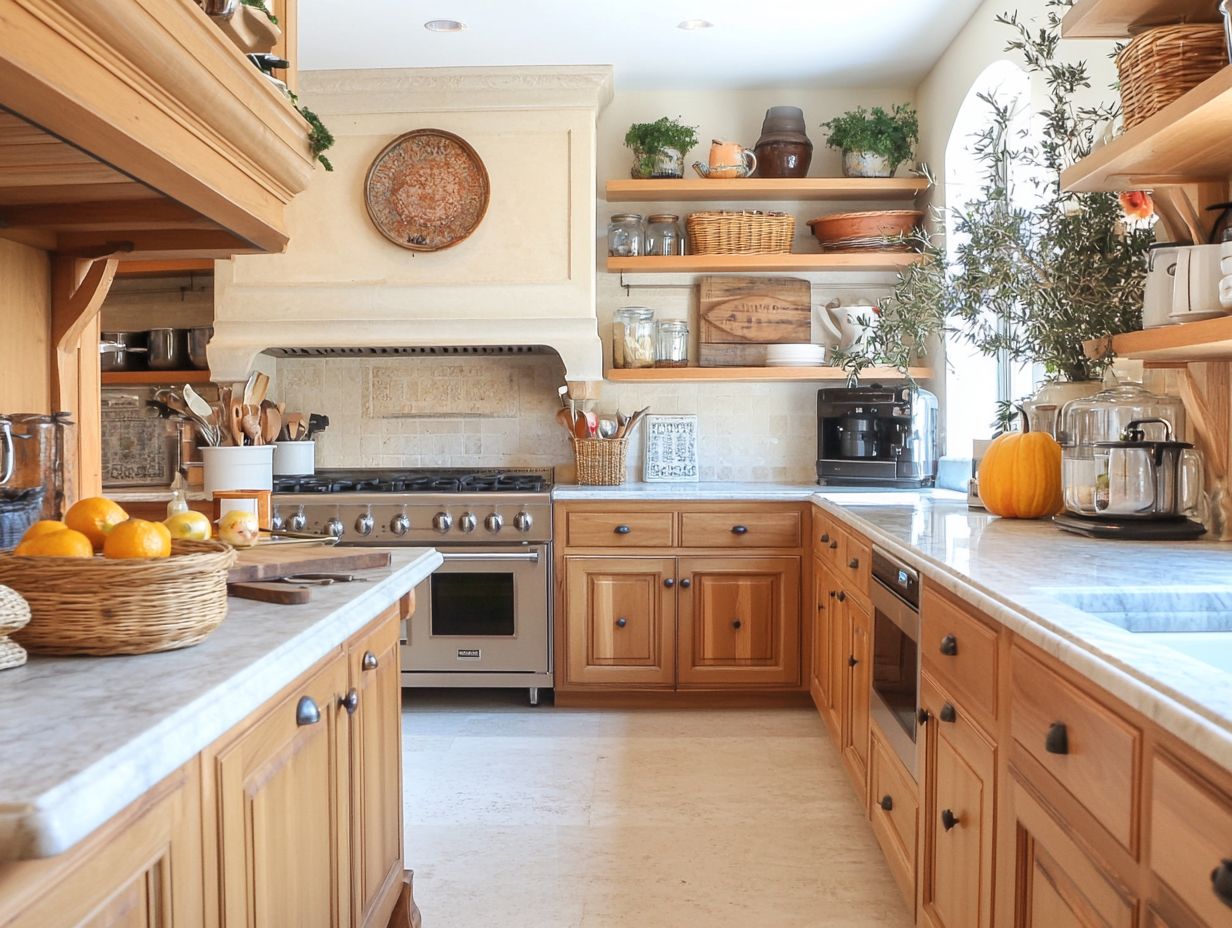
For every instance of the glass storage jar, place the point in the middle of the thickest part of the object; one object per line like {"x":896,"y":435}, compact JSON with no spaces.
{"x":663,"y":235}
{"x":672,"y":344}
{"x":626,"y":236}
{"x":633,"y":337}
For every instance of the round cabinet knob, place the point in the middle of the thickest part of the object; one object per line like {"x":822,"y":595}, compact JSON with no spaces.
{"x":854,"y":563}
{"x":276,"y":521}
{"x":467,"y":522}
{"x":737,"y":624}
{"x":493,"y":522}
{"x":522,"y":521}
{"x":369,"y":661}
{"x":350,"y":701}
{"x":948,"y":819}
{"x":685,"y":583}
{"x":841,"y":596}
{"x":825,"y":538}
{"x":622,"y":530}
{"x":851,"y":660}
{"x":887,"y":803}
{"x":669,"y":582}
{"x":1221,"y":881}
{"x":365,"y":524}
{"x":400,"y":524}
{"x":298,"y":522}
{"x":442,"y":522}
{"x":334,"y":527}
{"x":949,"y":646}
{"x":922,"y":716}
{"x":833,"y":544}
{"x":622,"y":622}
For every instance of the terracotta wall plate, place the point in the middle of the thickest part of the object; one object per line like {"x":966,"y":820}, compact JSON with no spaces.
{"x":427,"y":190}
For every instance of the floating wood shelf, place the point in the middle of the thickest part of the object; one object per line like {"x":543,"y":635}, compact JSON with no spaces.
{"x":697,"y":374}
{"x":1118,"y":19}
{"x":1207,"y":340}
{"x":1183,"y":143}
{"x":704,"y":264}
{"x":152,"y":378}
{"x":803,"y":188}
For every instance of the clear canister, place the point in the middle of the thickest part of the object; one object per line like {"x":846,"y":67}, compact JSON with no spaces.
{"x":626,"y":236}
{"x":672,"y":344}
{"x":632,"y":326}
{"x":663,"y":235}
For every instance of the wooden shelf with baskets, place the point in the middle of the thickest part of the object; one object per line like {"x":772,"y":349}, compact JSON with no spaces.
{"x":707,"y":264}
{"x":688,"y":190}
{"x":1118,"y":19}
{"x":754,"y":374}
{"x":1206,"y":340}
{"x":151,"y":378}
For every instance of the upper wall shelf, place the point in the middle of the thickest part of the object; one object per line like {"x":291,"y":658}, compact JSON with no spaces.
{"x":804,"y":188}
{"x":755,"y":374}
{"x":1185,"y":142}
{"x":1117,"y":19}
{"x":718,"y":264}
{"x":1207,"y":340}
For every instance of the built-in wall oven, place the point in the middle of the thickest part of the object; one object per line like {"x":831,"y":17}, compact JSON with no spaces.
{"x":895,"y":697}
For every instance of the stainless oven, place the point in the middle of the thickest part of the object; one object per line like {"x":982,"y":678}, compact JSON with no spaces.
{"x":895,"y":697}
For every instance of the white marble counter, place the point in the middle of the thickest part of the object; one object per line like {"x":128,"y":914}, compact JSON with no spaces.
{"x":1017,"y":572}
{"x":729,"y":490}
{"x":84,"y":737}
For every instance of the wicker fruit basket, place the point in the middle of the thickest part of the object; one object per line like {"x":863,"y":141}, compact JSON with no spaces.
{"x":600,"y":461}
{"x":1160,"y":65}
{"x":103,"y":607}
{"x":747,"y":232}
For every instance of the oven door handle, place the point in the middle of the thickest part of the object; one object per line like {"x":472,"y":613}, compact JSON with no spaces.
{"x":529,"y":556}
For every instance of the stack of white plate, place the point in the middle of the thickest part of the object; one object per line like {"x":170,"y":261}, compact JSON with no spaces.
{"x":1225,"y":266}
{"x":795,"y":355}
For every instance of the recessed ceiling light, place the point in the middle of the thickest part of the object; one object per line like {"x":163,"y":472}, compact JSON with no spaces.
{"x":444,"y":25}
{"x":695,"y":24}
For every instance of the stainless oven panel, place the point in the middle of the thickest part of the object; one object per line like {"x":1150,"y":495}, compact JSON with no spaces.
{"x":895,"y":698}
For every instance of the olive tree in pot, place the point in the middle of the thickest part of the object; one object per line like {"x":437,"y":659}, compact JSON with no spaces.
{"x":659,"y":147}
{"x":874,"y":143}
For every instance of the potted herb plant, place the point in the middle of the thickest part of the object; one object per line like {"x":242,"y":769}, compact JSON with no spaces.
{"x":659,"y":147}
{"x":874,"y":143}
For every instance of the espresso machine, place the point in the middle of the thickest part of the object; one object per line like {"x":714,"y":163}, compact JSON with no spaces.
{"x":877,"y":436}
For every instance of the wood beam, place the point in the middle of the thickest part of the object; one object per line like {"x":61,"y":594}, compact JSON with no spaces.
{"x":160,"y":245}
{"x":104,"y":216}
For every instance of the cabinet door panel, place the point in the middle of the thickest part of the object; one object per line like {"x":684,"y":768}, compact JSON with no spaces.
{"x":823,"y":607}
{"x":739,"y":621}
{"x":620,"y":620}
{"x":858,"y":660}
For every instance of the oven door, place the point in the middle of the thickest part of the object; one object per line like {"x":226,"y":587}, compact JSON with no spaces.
{"x":485,"y":610}
{"x":895,"y":696}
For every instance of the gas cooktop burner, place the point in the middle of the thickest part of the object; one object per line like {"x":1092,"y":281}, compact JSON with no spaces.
{"x":419,"y":481}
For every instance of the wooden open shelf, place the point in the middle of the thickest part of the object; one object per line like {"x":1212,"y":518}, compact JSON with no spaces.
{"x":695,"y":374}
{"x":1185,"y":142}
{"x":1207,"y":340}
{"x":1117,"y":19}
{"x":705,"y":264}
{"x":750,"y":188}
{"x":151,"y":378}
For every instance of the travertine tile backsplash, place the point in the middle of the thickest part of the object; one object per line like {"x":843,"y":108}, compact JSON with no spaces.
{"x":499,"y":412}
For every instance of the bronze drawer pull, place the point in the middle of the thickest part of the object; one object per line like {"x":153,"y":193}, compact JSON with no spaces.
{"x":306,"y":712}
{"x":623,"y":530}
{"x":740,"y":529}
{"x":1057,"y":739}
{"x":887,"y":803}
{"x":949,"y":646}
{"x":949,"y":713}
{"x":369,"y":661}
{"x":948,"y":819}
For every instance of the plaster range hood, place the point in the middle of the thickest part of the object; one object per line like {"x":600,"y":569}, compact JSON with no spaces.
{"x":524,"y":280}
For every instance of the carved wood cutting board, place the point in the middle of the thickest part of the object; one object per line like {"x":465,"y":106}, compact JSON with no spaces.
{"x":741,"y":315}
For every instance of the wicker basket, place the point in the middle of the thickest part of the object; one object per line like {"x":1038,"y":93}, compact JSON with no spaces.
{"x":749,"y":232}
{"x":1160,"y":65}
{"x":14,"y":614}
{"x":101,"y":607}
{"x":600,"y":461}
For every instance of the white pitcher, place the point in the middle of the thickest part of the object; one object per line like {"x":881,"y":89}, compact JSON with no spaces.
{"x":846,"y":327}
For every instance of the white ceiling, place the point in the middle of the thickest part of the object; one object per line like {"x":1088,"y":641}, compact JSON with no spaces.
{"x":754,"y":44}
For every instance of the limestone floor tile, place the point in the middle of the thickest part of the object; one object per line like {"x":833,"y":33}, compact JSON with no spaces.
{"x":546,"y":818}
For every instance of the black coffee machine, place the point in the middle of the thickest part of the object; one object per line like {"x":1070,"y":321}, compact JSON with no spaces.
{"x":876,"y":436}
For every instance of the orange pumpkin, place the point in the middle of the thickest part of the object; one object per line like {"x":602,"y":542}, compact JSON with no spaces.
{"x":1020,"y":475}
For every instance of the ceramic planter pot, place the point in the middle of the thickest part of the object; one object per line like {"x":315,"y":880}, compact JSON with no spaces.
{"x":783,"y":158}
{"x":668,"y":162}
{"x":867,"y":164}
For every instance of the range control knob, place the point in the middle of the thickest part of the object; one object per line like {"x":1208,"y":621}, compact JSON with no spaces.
{"x":467,"y":522}
{"x":442,"y":522}
{"x":522,"y":521}
{"x":298,"y":522}
{"x":400,"y":524}
{"x":334,"y":527}
{"x":493,"y":523}
{"x":365,"y":524}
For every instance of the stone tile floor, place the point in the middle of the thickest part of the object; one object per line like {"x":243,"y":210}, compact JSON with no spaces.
{"x":520,"y":817}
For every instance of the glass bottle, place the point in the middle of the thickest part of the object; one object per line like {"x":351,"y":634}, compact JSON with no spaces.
{"x":623,"y":336}
{"x":672,"y":344}
{"x":626,"y":237}
{"x":663,"y":236}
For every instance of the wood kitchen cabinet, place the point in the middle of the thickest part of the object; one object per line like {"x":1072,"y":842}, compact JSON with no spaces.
{"x":824,"y":612}
{"x":857,"y":661}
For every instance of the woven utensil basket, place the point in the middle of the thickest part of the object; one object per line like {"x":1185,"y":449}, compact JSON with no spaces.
{"x":102,"y":607}
{"x":600,"y":461}
{"x":749,"y":232}
{"x":1160,"y":65}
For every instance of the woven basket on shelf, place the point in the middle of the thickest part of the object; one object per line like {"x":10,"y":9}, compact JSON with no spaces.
{"x":101,"y":607}
{"x":748,"y":232}
{"x":600,"y":461}
{"x":14,"y":614}
{"x":1160,"y":65}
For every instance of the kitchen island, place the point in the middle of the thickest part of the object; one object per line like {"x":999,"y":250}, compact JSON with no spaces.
{"x":260,"y":750}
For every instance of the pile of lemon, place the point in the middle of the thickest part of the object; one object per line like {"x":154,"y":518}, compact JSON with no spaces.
{"x":101,"y":525}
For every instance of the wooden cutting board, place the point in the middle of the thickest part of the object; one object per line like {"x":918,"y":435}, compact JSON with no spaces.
{"x":282,"y":594}
{"x":269,"y":562}
{"x":741,"y":315}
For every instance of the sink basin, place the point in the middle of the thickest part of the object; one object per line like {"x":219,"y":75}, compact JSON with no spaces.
{"x":1194,"y":622}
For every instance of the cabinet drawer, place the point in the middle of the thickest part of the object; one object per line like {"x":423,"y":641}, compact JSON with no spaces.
{"x":619,"y":529}
{"x":895,"y":816}
{"x":827,"y":538}
{"x":961,"y":652}
{"x":855,"y":562}
{"x":1087,"y":748}
{"x":740,"y":529}
{"x":1191,"y":837}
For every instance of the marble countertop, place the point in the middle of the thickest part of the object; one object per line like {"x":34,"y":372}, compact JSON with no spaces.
{"x":1029,"y":575}
{"x":733,"y":490}
{"x":84,"y":737}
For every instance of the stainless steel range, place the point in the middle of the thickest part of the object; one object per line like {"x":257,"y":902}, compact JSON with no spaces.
{"x":486,"y":619}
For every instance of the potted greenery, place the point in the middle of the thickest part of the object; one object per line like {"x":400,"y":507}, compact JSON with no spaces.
{"x":874,"y":143}
{"x":659,"y":147}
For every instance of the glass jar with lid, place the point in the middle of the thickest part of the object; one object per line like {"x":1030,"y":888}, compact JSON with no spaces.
{"x":663,"y":235}
{"x":672,"y":344}
{"x":626,"y":236}
{"x":633,"y":330}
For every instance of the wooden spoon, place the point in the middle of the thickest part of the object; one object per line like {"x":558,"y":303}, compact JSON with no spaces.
{"x":250,"y":422}
{"x":563,"y":417}
{"x":235,"y":419}
{"x":271,"y":424}
{"x":260,"y":388}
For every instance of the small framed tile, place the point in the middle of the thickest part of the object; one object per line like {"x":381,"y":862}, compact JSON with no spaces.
{"x":671,"y":449}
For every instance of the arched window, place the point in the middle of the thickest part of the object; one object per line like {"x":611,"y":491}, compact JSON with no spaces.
{"x":976,"y":382}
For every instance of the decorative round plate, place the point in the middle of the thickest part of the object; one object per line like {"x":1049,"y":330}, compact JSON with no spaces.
{"x":426,"y":190}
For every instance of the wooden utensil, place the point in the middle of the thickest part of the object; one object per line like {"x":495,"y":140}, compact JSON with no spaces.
{"x":271,"y":424}
{"x":565,"y":420}
{"x":260,"y":388}
{"x":273,"y":592}
{"x":235,"y":423}
{"x":250,"y":422}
